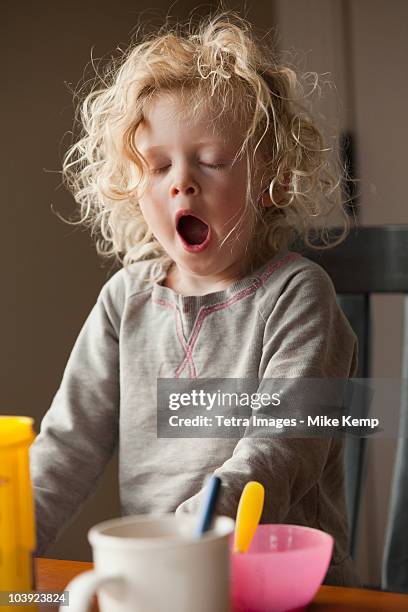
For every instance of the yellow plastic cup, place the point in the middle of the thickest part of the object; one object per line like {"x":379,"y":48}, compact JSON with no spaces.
{"x":17,"y":526}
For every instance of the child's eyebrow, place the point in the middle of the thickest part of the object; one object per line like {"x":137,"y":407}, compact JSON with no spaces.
{"x":201,"y":143}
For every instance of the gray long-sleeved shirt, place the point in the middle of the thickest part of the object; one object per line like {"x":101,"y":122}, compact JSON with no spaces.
{"x":281,"y":321}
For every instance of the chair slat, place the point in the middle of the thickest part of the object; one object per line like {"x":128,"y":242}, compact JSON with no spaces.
{"x":357,"y":310}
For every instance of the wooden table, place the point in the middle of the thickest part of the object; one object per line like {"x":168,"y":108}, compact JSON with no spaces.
{"x":54,"y":575}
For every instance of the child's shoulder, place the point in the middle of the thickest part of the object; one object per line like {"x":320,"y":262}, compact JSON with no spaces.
{"x":134,"y":278}
{"x":294,"y":279}
{"x":131,"y":280}
{"x":293,"y":271}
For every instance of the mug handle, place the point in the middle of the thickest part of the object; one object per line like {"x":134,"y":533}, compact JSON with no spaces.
{"x":83,"y":587}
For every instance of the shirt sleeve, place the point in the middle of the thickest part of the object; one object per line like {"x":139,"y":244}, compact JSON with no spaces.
{"x":80,"y":430}
{"x":306,"y":335}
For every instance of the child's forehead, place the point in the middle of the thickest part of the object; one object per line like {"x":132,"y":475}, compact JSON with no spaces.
{"x":173,"y":112}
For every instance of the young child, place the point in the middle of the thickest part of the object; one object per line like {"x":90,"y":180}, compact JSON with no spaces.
{"x":198,"y":165}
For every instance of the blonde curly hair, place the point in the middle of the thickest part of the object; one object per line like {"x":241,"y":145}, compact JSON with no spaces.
{"x":219,"y":61}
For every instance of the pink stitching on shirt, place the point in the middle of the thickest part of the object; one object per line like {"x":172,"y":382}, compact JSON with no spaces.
{"x":180,"y":335}
{"x":209,"y":309}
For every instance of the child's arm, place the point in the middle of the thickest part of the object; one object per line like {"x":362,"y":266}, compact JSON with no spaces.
{"x":306,"y":336}
{"x":80,"y":430}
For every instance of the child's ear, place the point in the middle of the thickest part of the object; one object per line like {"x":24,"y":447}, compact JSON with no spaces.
{"x":279,"y":192}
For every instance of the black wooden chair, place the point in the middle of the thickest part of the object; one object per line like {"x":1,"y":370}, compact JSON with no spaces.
{"x":374,"y":260}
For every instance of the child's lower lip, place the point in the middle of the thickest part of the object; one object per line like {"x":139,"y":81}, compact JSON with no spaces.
{"x":196,"y":248}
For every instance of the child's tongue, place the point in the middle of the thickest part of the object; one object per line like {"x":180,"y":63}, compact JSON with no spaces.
{"x":192,"y":229}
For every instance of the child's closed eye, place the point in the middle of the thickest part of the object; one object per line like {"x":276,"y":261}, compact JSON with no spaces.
{"x":163,"y":169}
{"x":216,"y":166}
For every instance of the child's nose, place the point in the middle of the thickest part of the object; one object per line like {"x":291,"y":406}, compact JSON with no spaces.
{"x":184,"y":187}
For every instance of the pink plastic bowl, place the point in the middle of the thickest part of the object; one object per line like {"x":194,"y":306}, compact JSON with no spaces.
{"x":282,"y":570}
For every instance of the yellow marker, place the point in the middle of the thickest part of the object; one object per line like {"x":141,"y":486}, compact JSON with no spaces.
{"x":248,"y":515}
{"x":17,"y":531}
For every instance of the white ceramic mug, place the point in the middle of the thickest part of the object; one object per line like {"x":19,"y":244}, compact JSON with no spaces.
{"x":153,"y":564}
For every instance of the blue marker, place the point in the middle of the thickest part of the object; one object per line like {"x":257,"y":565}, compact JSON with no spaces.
{"x":207,"y":508}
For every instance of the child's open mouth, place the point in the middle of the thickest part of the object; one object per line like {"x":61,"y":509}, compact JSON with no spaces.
{"x":194,"y":233}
